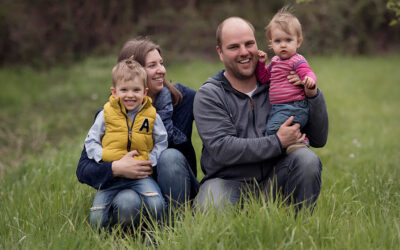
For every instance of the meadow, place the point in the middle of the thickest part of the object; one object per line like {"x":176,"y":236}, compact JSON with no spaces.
{"x":45,"y":115}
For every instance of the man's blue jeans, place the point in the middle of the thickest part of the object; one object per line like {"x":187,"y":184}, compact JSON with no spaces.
{"x":175,"y":177}
{"x":125,"y":201}
{"x":297,"y":175}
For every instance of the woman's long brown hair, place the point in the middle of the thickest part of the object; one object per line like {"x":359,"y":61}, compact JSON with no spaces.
{"x":139,"y":48}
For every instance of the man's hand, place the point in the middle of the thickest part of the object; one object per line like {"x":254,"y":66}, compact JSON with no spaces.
{"x":262,"y":56}
{"x":308,"y":82}
{"x":310,"y":92}
{"x":295,"y":80}
{"x":290,"y":134}
{"x":131,"y":168}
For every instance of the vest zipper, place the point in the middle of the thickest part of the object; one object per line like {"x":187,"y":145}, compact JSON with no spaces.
{"x":128,"y":147}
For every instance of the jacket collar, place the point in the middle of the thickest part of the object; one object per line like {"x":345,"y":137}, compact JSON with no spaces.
{"x":219,"y":79}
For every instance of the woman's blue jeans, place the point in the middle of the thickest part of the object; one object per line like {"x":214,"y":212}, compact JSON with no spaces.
{"x":125,"y":201}
{"x":175,"y":177}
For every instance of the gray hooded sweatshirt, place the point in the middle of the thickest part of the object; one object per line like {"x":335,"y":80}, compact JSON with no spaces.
{"x":232,"y":127}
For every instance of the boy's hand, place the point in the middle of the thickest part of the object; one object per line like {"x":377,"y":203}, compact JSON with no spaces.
{"x":308,"y":82}
{"x":262,"y":56}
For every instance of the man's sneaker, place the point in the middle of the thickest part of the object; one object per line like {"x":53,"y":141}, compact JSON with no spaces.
{"x":295,"y":146}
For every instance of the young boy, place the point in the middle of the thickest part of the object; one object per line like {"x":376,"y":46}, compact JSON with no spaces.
{"x":127,"y":122}
{"x":285,"y":37}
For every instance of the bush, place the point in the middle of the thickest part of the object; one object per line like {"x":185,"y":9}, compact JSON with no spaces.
{"x":49,"y":31}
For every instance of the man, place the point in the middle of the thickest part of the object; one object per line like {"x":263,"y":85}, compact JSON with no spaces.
{"x":231,"y":111}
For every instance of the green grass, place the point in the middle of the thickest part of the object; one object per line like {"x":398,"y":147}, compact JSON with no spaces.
{"x":45,"y":116}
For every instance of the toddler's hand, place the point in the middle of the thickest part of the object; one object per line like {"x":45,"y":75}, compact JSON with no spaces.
{"x":262,"y":56}
{"x":308,"y":82}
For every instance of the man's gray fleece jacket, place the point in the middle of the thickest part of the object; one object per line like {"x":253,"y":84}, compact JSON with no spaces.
{"x":232,"y":127}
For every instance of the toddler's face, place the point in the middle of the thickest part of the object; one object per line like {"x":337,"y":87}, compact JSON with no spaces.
{"x":130,"y":92}
{"x":284,"y":45}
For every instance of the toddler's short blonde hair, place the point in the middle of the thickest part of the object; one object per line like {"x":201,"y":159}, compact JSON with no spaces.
{"x":129,"y":70}
{"x":286,"y":21}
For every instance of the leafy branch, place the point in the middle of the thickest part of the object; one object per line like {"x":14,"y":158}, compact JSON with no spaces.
{"x":394,"y":5}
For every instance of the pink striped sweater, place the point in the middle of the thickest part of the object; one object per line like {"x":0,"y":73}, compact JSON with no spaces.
{"x":281,"y":90}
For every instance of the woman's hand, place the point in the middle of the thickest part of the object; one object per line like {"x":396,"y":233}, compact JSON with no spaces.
{"x":131,"y":168}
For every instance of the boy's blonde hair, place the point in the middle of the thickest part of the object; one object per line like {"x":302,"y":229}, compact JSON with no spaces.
{"x":128,"y":70}
{"x":284,"y":19}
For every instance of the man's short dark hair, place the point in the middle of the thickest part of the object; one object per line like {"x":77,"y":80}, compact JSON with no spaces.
{"x":221,"y":26}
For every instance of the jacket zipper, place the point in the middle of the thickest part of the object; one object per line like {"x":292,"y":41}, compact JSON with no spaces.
{"x":255,"y":128}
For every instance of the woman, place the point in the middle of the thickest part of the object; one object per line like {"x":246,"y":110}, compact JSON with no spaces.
{"x":176,"y":167}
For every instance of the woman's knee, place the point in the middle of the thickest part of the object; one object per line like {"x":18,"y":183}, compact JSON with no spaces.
{"x":170,"y":161}
{"x":171,"y":155}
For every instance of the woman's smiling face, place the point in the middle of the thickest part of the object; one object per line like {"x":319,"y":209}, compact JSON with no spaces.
{"x":155,"y":70}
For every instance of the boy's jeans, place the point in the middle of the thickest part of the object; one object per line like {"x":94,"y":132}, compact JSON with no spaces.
{"x":125,"y":201}
{"x":281,"y":112}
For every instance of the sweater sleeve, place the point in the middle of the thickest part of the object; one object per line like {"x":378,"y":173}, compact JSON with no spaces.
{"x":96,"y":175}
{"x":303,"y":69}
{"x":263,"y":73}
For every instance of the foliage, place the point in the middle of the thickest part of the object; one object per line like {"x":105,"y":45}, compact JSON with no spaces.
{"x":355,"y":27}
{"x":42,"y":205}
{"x":46,"y":32}
{"x":395,"y":6}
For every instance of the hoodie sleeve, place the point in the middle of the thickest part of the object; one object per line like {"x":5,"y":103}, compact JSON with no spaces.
{"x":219,"y":134}
{"x":318,"y":124}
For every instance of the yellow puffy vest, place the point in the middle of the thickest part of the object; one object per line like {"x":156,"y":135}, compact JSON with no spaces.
{"x":121,"y":135}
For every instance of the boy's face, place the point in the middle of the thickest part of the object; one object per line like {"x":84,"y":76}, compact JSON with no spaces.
{"x":284,"y":45}
{"x":130,"y":92}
